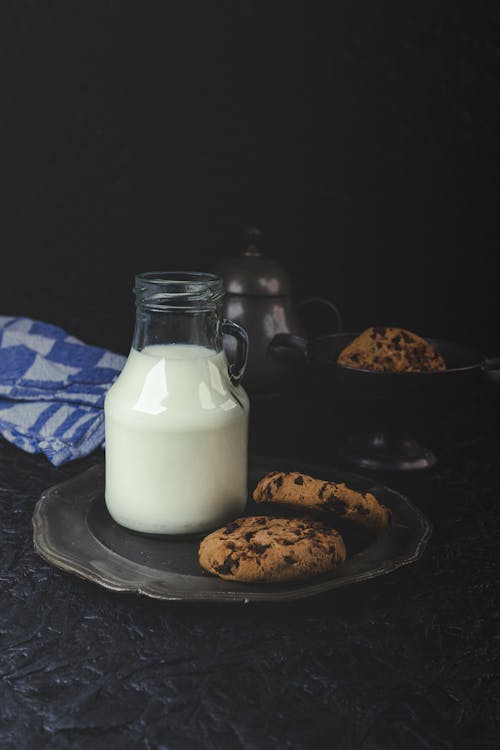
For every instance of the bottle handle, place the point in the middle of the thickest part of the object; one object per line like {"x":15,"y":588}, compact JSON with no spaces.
{"x":236,"y":369}
{"x":327,"y":303}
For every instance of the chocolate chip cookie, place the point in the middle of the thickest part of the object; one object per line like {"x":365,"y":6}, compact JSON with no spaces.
{"x":385,"y":349}
{"x":297,"y":490}
{"x":269,"y":549}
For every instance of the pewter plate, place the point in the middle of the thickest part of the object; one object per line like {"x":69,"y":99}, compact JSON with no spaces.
{"x":73,"y":531}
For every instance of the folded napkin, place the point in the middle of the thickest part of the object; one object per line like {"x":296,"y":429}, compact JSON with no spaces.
{"x":52,"y":389}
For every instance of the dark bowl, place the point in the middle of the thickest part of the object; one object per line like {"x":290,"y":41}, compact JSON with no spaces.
{"x":398,"y":405}
{"x":463,"y":374}
{"x":388,"y":411}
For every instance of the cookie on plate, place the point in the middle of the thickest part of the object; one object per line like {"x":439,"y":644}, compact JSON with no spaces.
{"x":268,"y":549}
{"x":385,"y":349}
{"x":297,"y":490}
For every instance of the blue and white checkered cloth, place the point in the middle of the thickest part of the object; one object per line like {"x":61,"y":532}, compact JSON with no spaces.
{"x":52,"y":389}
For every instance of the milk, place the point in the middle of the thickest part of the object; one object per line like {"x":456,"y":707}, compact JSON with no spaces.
{"x":175,"y":442}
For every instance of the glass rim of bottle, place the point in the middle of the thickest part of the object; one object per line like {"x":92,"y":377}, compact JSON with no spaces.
{"x":178,"y":289}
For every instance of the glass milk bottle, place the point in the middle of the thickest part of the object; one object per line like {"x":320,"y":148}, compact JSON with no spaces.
{"x":176,"y":419}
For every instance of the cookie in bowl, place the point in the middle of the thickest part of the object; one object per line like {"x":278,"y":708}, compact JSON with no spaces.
{"x":390,"y":349}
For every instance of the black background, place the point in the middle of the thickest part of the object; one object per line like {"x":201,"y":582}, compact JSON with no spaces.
{"x":362,"y":138}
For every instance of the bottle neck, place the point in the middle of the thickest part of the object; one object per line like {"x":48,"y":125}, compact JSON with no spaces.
{"x":178,"y":308}
{"x":198,"y":328}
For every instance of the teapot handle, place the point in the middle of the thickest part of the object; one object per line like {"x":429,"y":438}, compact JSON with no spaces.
{"x":237,"y":369}
{"x":288,"y":349}
{"x":327,"y":303}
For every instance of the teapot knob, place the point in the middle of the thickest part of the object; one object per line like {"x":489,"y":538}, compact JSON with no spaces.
{"x":253,"y":240}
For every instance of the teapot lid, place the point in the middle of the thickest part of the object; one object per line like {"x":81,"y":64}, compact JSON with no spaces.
{"x":251,"y":272}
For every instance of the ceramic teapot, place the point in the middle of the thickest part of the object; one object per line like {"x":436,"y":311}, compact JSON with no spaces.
{"x":258,"y":296}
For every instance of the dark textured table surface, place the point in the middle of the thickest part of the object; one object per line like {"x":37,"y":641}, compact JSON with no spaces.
{"x":408,"y":660}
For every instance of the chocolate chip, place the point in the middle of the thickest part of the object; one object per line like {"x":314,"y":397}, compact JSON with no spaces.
{"x":362,"y":510}
{"x":299,"y":480}
{"x":289,"y":560}
{"x":322,"y":490}
{"x":249,"y":535}
{"x":261,"y":521}
{"x":230,"y":528}
{"x":311,"y":534}
{"x":278,"y":481}
{"x":335,"y":504}
{"x":258,"y":548}
{"x":227,"y":566}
